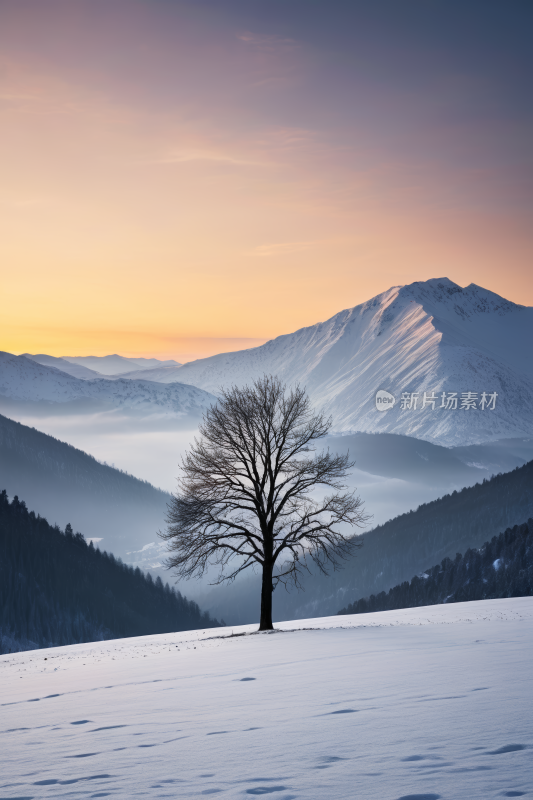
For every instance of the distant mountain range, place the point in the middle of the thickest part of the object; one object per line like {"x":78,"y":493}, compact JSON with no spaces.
{"x":89,"y":367}
{"x":23,"y":380}
{"x":392,"y":455}
{"x":76,"y":370}
{"x":430,"y":337}
{"x":115,"y":364}
{"x":455,"y":364}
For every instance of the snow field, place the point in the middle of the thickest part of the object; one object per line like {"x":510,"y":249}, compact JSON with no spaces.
{"x":422,"y":703}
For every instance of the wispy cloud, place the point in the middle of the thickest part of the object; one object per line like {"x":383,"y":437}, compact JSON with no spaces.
{"x":267,"y":43}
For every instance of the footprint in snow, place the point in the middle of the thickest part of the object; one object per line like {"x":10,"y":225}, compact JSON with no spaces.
{"x":52,"y":781}
{"x":105,"y":728}
{"x":419,"y":797}
{"x":507,"y":748}
{"x":328,"y":761}
{"x":422,"y":758}
{"x":343,"y":711}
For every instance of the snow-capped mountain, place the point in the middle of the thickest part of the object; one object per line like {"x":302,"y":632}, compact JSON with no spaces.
{"x":431,"y":337}
{"x":24,"y":379}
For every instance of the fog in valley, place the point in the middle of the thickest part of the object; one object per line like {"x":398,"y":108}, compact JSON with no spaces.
{"x":122,"y":521}
{"x":148,"y":448}
{"x":152,"y":450}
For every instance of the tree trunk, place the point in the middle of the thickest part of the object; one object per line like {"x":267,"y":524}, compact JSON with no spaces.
{"x":265,"y":622}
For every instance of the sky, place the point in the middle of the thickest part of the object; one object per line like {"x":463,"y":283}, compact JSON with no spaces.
{"x":184,"y":178}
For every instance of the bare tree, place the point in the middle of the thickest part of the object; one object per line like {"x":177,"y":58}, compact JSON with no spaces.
{"x":247,"y":495}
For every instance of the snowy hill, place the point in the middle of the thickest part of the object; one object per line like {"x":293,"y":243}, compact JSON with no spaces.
{"x":76,"y":370}
{"x":115,"y":364}
{"x":22,"y":379}
{"x":431,"y":337}
{"x":166,"y":374}
{"x":126,"y":368}
{"x":425,"y":703}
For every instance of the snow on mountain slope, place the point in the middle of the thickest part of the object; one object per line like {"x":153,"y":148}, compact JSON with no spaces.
{"x":169,"y":374}
{"x":25,"y":380}
{"x":115,"y":364}
{"x":424,"y":337}
{"x":420,"y":703}
{"x":76,"y":370}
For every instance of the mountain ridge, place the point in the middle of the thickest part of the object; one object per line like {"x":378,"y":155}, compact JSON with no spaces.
{"x":431,"y":336}
{"x":66,"y":484}
{"x":444,"y":348}
{"x":115,"y":364}
{"x":22,"y":379}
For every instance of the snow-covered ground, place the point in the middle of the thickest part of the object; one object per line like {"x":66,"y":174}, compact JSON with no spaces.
{"x":423,"y":703}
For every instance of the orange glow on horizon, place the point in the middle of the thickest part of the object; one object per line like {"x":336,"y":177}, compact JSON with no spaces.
{"x":179,"y":229}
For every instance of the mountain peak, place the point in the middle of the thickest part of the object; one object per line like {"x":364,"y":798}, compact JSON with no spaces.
{"x":428,"y":336}
{"x":438,"y":294}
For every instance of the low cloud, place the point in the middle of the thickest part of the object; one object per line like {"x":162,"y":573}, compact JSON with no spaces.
{"x":268,"y":43}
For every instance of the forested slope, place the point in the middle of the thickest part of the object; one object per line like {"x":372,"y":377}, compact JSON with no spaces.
{"x":404,"y":546}
{"x":501,"y":568}
{"x":55,"y":589}
{"x":467,"y":519}
{"x":66,"y":484}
